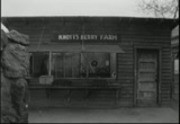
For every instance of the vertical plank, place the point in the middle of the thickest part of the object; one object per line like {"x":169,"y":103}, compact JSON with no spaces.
{"x":135,"y":77}
{"x":160,"y":71}
{"x":63,"y":65}
{"x":50,"y":63}
{"x":72,"y":65}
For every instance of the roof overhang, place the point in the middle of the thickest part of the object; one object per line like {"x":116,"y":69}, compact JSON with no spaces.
{"x":166,"y":21}
{"x":76,"y":48}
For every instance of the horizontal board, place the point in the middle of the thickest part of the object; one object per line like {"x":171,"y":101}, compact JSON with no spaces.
{"x":122,"y":65}
{"x":125,"y":55}
{"x":125,"y":77}
{"x":126,"y":74}
{"x":130,"y":71}
{"x":122,"y":58}
{"x":122,"y":82}
{"x":125,"y":62}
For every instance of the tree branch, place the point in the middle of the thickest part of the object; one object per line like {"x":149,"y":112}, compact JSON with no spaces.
{"x":161,"y":8}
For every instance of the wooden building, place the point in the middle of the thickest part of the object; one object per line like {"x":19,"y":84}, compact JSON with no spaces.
{"x":131,"y":53}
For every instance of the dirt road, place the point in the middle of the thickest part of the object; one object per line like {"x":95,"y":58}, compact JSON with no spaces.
{"x":120,"y":115}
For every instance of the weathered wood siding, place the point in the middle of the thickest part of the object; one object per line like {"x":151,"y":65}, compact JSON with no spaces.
{"x":131,"y":33}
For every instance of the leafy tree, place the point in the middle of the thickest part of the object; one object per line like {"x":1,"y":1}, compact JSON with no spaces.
{"x":160,"y":8}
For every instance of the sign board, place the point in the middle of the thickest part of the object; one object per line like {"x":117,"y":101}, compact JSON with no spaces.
{"x":87,"y":37}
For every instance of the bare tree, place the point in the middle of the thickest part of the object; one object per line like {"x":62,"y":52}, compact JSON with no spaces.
{"x":160,"y":8}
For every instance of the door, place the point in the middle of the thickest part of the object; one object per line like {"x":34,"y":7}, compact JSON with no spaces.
{"x":147,"y":77}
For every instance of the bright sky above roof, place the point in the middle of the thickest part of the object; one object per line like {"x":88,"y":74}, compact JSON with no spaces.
{"x":70,"y":8}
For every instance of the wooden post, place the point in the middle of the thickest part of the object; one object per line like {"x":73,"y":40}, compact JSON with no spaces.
{"x":50,"y":63}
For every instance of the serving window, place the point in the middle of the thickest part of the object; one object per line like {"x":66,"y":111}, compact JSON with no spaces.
{"x":73,"y":65}
{"x":65,"y":65}
{"x":100,"y":65}
{"x":38,"y":64}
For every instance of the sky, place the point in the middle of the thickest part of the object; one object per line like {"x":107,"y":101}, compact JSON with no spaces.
{"x":14,"y":8}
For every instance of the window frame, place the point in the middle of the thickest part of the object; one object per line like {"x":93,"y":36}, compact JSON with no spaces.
{"x":31,"y":52}
{"x":80,"y":65}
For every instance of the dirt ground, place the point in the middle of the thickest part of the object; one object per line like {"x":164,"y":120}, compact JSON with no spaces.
{"x":113,"y":115}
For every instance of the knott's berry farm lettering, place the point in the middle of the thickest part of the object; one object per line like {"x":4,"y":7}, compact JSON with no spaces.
{"x":86,"y":37}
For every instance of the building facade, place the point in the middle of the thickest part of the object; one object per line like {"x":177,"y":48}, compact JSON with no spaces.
{"x":133,"y":53}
